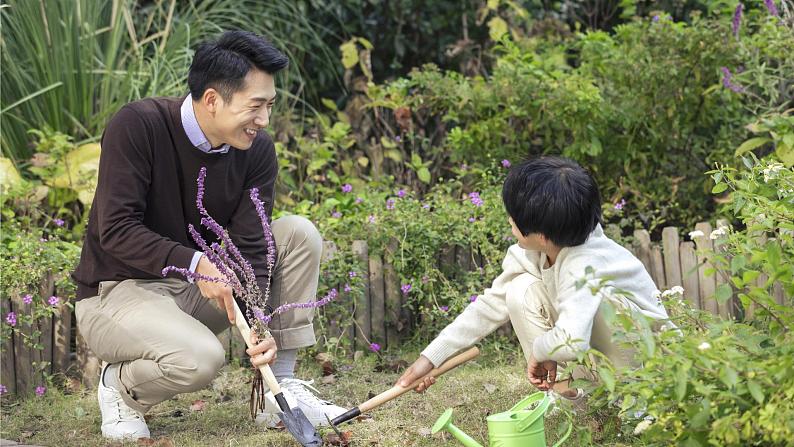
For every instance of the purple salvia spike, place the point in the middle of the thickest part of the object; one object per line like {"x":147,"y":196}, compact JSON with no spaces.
{"x":214,"y":258}
{"x":223,"y":235}
{"x":195,"y":276}
{"x":225,"y":256}
{"x":737,"y":19}
{"x":260,"y":210}
{"x":771,"y":7}
{"x":286,"y":307}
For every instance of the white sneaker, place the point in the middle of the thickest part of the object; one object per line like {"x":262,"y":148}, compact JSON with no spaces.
{"x":298,"y":393}
{"x":575,"y":404}
{"x":119,"y":421}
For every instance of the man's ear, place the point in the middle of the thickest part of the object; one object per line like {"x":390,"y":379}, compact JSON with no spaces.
{"x":211,"y":99}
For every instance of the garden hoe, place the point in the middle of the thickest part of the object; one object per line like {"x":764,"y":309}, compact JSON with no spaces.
{"x":293,"y":418}
{"x":397,"y":390}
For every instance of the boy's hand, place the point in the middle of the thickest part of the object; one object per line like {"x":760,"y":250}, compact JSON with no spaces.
{"x":542,"y":374}
{"x":264,"y":352}
{"x":220,"y":293}
{"x":420,"y":368}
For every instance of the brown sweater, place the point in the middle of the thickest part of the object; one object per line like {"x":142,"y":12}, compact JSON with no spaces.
{"x":146,"y":196}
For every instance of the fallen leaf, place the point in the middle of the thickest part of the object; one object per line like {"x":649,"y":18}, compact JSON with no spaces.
{"x":489,"y":388}
{"x":334,"y":439}
{"x":198,"y":405}
{"x":329,"y":379}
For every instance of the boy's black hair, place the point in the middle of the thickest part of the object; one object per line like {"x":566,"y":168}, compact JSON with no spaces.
{"x":223,"y":64}
{"x":555,"y":197}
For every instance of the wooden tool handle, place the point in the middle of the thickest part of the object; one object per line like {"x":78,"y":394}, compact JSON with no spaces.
{"x":397,"y":390}
{"x":245,"y":331}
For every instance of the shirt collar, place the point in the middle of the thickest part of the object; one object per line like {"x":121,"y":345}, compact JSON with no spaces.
{"x":193,"y":130}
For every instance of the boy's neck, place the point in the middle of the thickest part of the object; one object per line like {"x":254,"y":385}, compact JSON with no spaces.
{"x":551,"y":254}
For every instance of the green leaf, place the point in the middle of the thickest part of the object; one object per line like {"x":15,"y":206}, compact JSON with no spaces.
{"x":719,"y":187}
{"x":349,"y":54}
{"x":608,"y":377}
{"x":786,"y":154}
{"x":699,"y":420}
{"x":728,"y":376}
{"x":756,"y":391}
{"x":328,"y":103}
{"x":723,"y":293}
{"x":423,"y":174}
{"x":738,"y":263}
{"x":497,"y":28}
{"x":681,"y":378}
{"x":751,"y":144}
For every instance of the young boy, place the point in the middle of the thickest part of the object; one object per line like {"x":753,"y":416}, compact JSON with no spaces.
{"x":554,"y":209}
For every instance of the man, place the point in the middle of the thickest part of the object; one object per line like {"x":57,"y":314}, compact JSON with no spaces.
{"x":155,"y":335}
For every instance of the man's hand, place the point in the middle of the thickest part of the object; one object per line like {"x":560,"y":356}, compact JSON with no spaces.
{"x":542,"y":374}
{"x":220,"y":293}
{"x":420,"y":368}
{"x":264,"y":352}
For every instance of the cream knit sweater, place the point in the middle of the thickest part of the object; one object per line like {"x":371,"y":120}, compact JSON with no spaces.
{"x":574,"y":309}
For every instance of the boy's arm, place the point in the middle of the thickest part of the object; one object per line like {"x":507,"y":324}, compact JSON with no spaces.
{"x":479,"y":319}
{"x":574,"y":326}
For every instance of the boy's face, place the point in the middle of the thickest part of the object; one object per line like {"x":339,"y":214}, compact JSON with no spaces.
{"x":237,"y":122}
{"x":532,"y":241}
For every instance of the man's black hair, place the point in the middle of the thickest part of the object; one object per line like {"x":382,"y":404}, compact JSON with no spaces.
{"x":223,"y":64}
{"x":555,"y":197}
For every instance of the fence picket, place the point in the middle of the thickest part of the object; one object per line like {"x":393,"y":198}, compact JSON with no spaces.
{"x":707,"y":283}
{"x":391,"y":286}
{"x":689,"y":271}
{"x":362,"y":309}
{"x":377,"y":300}
{"x":672,"y":258}
{"x":7,"y":362}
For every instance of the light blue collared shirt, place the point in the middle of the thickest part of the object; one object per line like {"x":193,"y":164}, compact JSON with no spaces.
{"x":193,"y":130}
{"x":197,"y":137}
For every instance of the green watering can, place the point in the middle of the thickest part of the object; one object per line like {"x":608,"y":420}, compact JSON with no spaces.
{"x":516,"y":427}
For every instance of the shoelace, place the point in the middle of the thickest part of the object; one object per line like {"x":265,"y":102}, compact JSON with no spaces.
{"x":299,"y":389}
{"x":126,"y":414}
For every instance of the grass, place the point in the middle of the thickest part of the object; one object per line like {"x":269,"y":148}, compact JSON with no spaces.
{"x":484,"y":386}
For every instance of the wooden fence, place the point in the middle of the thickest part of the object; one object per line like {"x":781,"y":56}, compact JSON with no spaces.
{"x":381,"y":316}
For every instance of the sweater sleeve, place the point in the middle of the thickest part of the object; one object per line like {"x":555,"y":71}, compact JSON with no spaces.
{"x":479,"y":319}
{"x":574,"y":326}
{"x":245,"y":227}
{"x":125,"y":169}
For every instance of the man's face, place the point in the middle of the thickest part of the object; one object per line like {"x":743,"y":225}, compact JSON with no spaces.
{"x":237,"y":122}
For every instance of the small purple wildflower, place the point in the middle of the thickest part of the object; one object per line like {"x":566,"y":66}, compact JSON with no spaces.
{"x":352,"y":274}
{"x":405,"y":288}
{"x":475,"y":198}
{"x":619,"y":206}
{"x":347,"y":288}
{"x":473,"y":298}
{"x":397,"y":138}
{"x":726,"y":81}
{"x":371,"y":219}
{"x":359,"y":200}
{"x":3,"y":389}
{"x":426,"y":206}
{"x":336,"y":214}
{"x":771,"y":7}
{"x":656,"y":18}
{"x":737,"y":19}
{"x":43,"y":239}
{"x":505,"y":163}
{"x":444,"y":308}
{"x":347,"y":187}
{"x":54,"y":300}
{"x":374,"y":347}
{"x":401,"y":193}
{"x":40,"y":390}
{"x":472,"y":220}
{"x":390,"y":204}
{"x":11,"y":319}
{"x":27,"y":299}
{"x":58,"y":222}
{"x":464,"y":167}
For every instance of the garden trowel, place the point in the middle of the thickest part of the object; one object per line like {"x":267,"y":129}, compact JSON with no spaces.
{"x":293,"y":418}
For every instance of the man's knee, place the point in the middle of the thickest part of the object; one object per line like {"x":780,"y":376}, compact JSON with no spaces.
{"x":196,"y":367}
{"x":299,"y":233}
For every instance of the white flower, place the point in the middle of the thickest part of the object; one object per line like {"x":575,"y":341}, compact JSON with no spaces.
{"x":721,"y":231}
{"x":771,"y":171}
{"x":676,"y":290}
{"x":696,"y":233}
{"x":642,"y":426}
{"x":703,"y":346}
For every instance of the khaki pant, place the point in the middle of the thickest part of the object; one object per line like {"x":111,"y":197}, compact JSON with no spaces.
{"x":162,"y":331}
{"x":532,"y":314}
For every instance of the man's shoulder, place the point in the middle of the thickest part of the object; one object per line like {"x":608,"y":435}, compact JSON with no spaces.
{"x":152,"y":109}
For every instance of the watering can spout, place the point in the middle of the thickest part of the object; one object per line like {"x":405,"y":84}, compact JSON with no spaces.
{"x":444,"y":422}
